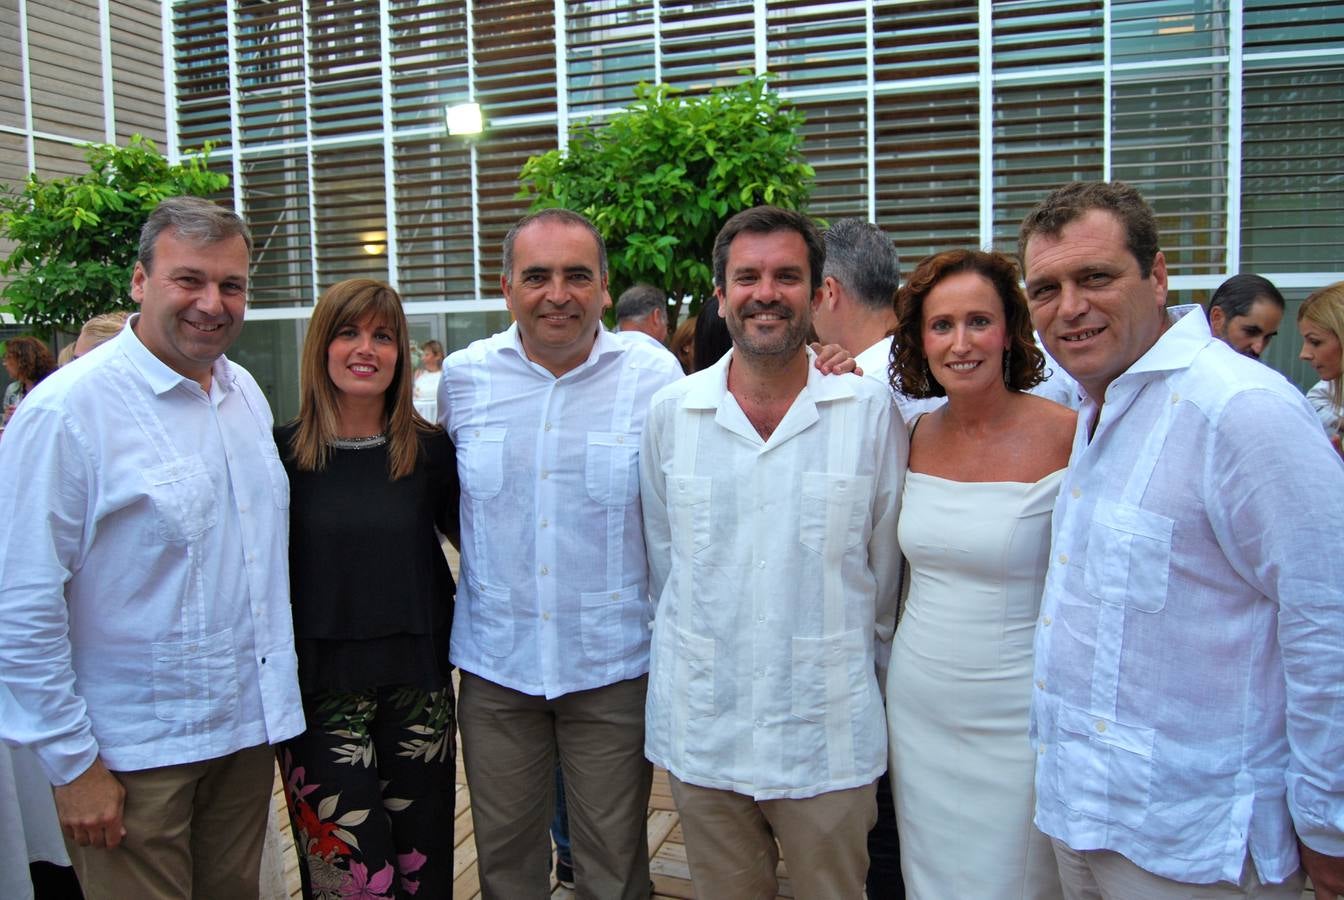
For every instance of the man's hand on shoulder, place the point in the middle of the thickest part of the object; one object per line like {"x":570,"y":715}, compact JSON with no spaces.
{"x":832,"y":359}
{"x":1326,"y":872}
{"x":90,"y":807}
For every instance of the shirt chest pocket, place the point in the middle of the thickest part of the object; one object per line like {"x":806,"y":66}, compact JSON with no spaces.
{"x":833,"y":512}
{"x":611,"y":470}
{"x":1128,"y":556}
{"x":183,"y":497}
{"x":480,"y":458}
{"x":688,"y":511}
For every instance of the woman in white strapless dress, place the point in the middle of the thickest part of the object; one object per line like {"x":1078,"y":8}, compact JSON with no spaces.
{"x":975,"y":528}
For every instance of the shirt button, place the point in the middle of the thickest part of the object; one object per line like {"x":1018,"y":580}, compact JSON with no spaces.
{"x":476,"y":433}
{"x":760,"y":564}
{"x":263,"y":660}
{"x":1040,"y":683}
{"x":544,"y":523}
{"x":545,"y":570}
{"x":1175,"y":398}
{"x":546,"y":617}
{"x":1040,"y":749}
{"x":1063,"y":559}
{"x":548,"y":426}
{"x":761,"y":617}
{"x":1077,"y":492}
{"x":243,"y":508}
{"x":620,"y":440}
{"x":615,"y":595}
{"x":545,"y":474}
{"x":1101,"y":728}
{"x":1046,"y":620}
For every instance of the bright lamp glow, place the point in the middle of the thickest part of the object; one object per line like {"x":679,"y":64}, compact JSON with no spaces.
{"x":464,"y":118}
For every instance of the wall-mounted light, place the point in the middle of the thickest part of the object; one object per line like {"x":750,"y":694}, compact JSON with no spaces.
{"x":464,"y":118}
{"x":375,"y":242}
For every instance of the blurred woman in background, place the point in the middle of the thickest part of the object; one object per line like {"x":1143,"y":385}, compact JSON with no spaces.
{"x":28,"y":361}
{"x":1320,"y":320}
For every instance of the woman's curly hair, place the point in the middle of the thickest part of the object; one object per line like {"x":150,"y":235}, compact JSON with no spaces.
{"x":909,"y":371}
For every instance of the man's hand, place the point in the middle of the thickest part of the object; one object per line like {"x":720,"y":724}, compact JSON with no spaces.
{"x":90,"y":807}
{"x":832,"y":359}
{"x":1327,"y":872}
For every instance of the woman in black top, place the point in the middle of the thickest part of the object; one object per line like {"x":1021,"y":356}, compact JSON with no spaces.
{"x":372,"y":486}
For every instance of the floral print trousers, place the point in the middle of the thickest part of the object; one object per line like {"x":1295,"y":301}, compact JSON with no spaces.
{"x":370,"y":791}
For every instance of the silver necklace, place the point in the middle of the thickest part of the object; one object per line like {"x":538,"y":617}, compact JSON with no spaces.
{"x":359,"y":443}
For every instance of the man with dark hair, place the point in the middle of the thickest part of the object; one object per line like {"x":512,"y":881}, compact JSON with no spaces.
{"x":1245,"y":313}
{"x":770,"y":498}
{"x":641,"y":313}
{"x":1189,"y":657}
{"x":550,"y":631}
{"x":145,"y":635}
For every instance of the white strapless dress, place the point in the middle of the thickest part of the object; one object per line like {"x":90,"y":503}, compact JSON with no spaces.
{"x":959,"y":688}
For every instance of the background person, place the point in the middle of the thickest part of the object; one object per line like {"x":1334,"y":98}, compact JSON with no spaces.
{"x":682,"y":344}
{"x":1320,"y":320}
{"x":975,"y":530}
{"x":28,"y":361}
{"x":712,"y":339}
{"x":641,"y":314}
{"x":426,"y":391}
{"x":1245,"y":313}
{"x":372,"y":485}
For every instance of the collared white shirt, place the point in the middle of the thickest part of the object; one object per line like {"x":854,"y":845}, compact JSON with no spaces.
{"x":874,"y":362}
{"x":775,"y":571}
{"x":1190,"y":648}
{"x":554,"y":590}
{"x":151,"y":520}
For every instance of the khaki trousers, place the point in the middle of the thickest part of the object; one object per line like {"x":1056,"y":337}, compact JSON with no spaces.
{"x":730,"y":842}
{"x":1106,"y":875}
{"x":192,"y":831}
{"x":510,"y":743}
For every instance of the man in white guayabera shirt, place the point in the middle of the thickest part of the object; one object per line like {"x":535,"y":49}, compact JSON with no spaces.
{"x":770,"y":500}
{"x":1189,"y":692}
{"x":145,"y":632}
{"x":551,"y":629}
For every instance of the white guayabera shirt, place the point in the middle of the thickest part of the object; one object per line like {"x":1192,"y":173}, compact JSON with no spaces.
{"x":150,"y":519}
{"x":775,"y":574}
{"x":1190,"y":649}
{"x":554,"y":590}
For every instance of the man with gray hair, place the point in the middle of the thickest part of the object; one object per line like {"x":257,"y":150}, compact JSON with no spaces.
{"x":858,"y":301}
{"x":641,"y":314}
{"x":146,"y":646}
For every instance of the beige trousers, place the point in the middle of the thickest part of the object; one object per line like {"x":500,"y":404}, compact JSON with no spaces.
{"x":194,"y":830}
{"x":1106,"y":875}
{"x":510,"y":744}
{"x":730,"y":842}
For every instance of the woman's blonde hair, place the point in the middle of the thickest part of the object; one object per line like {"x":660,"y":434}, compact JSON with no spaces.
{"x":1325,"y":307}
{"x":346,"y":303}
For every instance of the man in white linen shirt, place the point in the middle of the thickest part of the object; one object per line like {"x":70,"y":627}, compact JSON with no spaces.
{"x":858,"y":302}
{"x":145,"y":632}
{"x":1190,"y":647}
{"x":770,"y":502}
{"x":641,"y":315}
{"x":858,"y":312}
{"x":551,"y":624}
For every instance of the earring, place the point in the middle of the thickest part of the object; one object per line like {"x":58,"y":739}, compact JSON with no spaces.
{"x":1006,"y":379}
